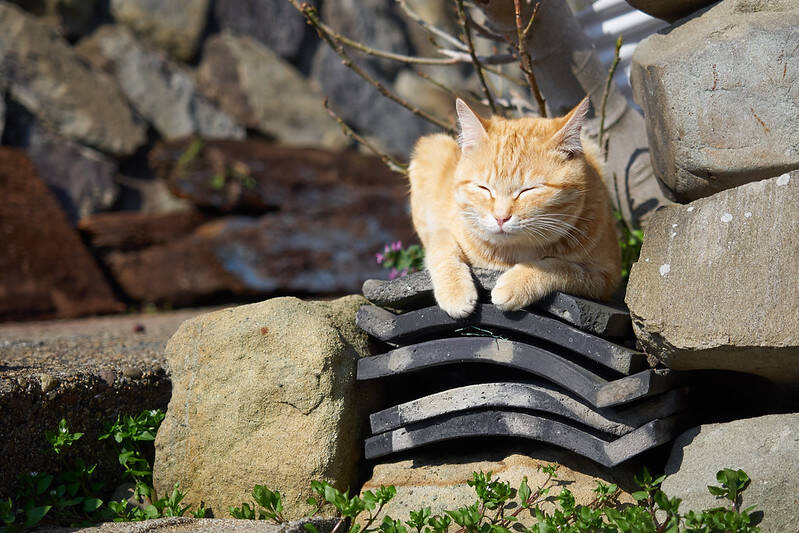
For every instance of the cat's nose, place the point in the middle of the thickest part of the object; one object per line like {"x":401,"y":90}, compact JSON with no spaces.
{"x":501,"y":220}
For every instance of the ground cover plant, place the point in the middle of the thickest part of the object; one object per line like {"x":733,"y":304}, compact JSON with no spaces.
{"x":70,"y":497}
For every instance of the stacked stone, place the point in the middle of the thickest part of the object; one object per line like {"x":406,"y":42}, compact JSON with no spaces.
{"x":577,"y":387}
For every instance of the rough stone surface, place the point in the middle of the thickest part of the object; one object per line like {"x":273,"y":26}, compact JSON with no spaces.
{"x":44,"y":75}
{"x":72,"y":18}
{"x":670,"y":10}
{"x":258,"y":88}
{"x":497,"y":423}
{"x":362,"y":106}
{"x":254,"y":257}
{"x":424,"y":480}
{"x":132,"y":230}
{"x":246,"y":379}
{"x":175,"y":26}
{"x":275,"y":23}
{"x":433,"y":321}
{"x":203,"y":525}
{"x":529,"y":397}
{"x":81,"y":370}
{"x":720,"y":93}
{"x":158,"y":88}
{"x":766,"y":448}
{"x":715,"y":286}
{"x":261,"y":176}
{"x":595,"y":389}
{"x":47,"y":271}
{"x":416,"y":290}
{"x":82,"y":179}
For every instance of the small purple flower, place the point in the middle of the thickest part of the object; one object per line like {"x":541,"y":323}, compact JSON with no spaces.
{"x":393,"y":274}
{"x":380,"y":258}
{"x":397,"y":246}
{"x":403,"y":273}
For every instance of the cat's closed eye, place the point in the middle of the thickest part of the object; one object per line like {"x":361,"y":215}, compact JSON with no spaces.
{"x":486,"y":189}
{"x":526,"y":189}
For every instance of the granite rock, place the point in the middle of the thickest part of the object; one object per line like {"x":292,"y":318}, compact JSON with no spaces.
{"x":669,"y":10}
{"x":766,"y":448}
{"x":720,"y":93}
{"x":274,"y":23}
{"x":47,"y":271}
{"x":176,"y":26}
{"x":184,"y":524}
{"x":263,"y":92}
{"x":714,"y":287}
{"x":157,"y":87}
{"x":248,"y":380}
{"x":44,"y":75}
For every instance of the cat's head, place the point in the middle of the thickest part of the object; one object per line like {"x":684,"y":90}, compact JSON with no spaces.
{"x":520,"y":180}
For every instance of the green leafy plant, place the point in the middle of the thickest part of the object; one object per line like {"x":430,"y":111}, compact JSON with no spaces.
{"x":630,"y":241}
{"x":269,"y":506}
{"x":401,"y":261}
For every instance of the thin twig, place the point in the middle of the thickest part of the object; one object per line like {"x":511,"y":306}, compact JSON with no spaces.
{"x":606,"y":92}
{"x":392,"y":163}
{"x":430,"y":28}
{"x":466,"y":57}
{"x":524,"y":56}
{"x":487,"y":33}
{"x":463,"y":20}
{"x":425,"y":76}
{"x":312,"y":16}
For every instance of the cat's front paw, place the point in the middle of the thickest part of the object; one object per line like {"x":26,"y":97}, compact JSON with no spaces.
{"x":458,"y":300}
{"x":515,"y":289}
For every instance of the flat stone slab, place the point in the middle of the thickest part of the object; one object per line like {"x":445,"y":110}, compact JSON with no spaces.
{"x":536,"y":397}
{"x":416,"y":290}
{"x":184,"y":524}
{"x":87,"y":371}
{"x":514,"y":424}
{"x":593,"y":388}
{"x":413,"y":325}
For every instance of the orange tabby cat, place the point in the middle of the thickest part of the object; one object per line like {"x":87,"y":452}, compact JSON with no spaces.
{"x":516,"y":195}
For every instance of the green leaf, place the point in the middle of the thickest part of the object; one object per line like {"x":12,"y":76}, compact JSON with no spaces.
{"x":33,"y":515}
{"x":92,"y":504}
{"x":640,"y":495}
{"x":310,"y":528}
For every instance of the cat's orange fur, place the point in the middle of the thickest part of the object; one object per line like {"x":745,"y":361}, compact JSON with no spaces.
{"x":560,"y":230}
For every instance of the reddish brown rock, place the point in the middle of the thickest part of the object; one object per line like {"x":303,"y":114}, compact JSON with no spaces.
{"x":132,"y":230}
{"x":46,"y":270}
{"x":251,"y":175}
{"x":256,"y":257}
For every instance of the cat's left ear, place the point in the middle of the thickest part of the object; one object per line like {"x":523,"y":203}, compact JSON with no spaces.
{"x":567,"y":139}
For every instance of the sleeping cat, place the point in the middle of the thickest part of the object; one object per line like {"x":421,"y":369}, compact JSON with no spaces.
{"x":524,"y":196}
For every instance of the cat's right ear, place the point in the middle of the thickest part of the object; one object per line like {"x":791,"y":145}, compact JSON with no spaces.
{"x":473,"y":131}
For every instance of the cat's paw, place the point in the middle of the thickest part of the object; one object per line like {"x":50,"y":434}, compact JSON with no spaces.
{"x":514,"y":290}
{"x":457,"y":300}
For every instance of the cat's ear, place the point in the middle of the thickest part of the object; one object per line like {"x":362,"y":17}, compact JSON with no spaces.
{"x":567,"y":139}
{"x":473,"y":131}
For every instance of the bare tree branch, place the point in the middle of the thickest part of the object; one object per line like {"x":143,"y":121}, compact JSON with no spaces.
{"x":312,"y":16}
{"x":463,"y":20}
{"x":430,"y":28}
{"x":392,"y":163}
{"x":605,"y":94}
{"x":524,"y":55}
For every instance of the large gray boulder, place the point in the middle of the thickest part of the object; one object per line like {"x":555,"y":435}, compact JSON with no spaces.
{"x":158,"y":88}
{"x":716,"y":286}
{"x":721,"y":95}
{"x":766,"y":448}
{"x":176,"y":26}
{"x":264,"y":393}
{"x":263,"y":92}
{"x":275,"y":23}
{"x":44,"y":76}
